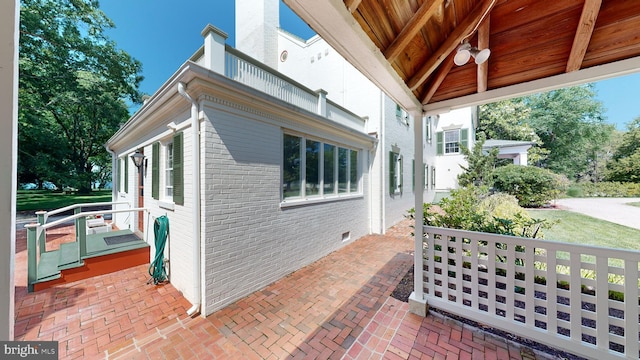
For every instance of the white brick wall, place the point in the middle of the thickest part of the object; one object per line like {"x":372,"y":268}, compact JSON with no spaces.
{"x":180,"y":242}
{"x":397,"y":133}
{"x":251,"y":241}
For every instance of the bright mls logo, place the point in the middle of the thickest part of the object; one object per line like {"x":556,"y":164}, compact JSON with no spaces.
{"x":41,"y":350}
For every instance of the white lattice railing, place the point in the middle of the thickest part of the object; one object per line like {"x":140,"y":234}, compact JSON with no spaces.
{"x":245,"y":70}
{"x":582,"y":299}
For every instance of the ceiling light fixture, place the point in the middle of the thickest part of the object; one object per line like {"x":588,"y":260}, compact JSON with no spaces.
{"x":463,"y":54}
{"x":466,"y":51}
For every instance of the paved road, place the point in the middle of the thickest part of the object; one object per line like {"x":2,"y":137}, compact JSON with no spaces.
{"x":614,"y":210}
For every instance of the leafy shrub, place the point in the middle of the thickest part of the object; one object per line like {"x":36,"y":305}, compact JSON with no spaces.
{"x":609,"y":189}
{"x":501,"y":205}
{"x":575,"y":191}
{"x":509,"y":218}
{"x":532,"y":186}
{"x":461,"y":210}
{"x":472,"y":209}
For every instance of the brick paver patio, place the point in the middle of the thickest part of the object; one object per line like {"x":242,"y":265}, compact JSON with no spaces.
{"x":337,"y":307}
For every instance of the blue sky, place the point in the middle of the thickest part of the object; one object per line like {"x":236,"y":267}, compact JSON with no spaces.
{"x":163,"y":34}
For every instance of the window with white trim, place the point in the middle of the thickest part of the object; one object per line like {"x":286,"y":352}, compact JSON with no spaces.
{"x":402,"y":115}
{"x":395,"y":173}
{"x":167,"y":174}
{"x":168,"y":171}
{"x":433,"y":177}
{"x":123,"y":174}
{"x":427,"y":129}
{"x":314,"y":169}
{"x":329,"y":178}
{"x":452,"y":141}
{"x":426,"y":177}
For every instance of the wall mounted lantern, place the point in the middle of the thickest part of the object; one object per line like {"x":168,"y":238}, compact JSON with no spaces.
{"x":137,"y":158}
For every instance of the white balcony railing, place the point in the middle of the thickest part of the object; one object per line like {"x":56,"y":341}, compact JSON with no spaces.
{"x":582,"y":299}
{"x":244,"y":69}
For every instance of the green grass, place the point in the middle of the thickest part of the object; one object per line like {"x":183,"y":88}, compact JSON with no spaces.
{"x":34,"y":200}
{"x":581,"y":229}
{"x":634,"y":204}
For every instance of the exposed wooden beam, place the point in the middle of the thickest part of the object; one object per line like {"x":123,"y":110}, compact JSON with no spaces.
{"x":438,"y":78}
{"x":411,"y":29}
{"x":483,"y":43}
{"x":581,"y":40}
{"x":451,"y":43}
{"x":352,"y":5}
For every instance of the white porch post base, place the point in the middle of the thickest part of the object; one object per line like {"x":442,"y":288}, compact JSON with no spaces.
{"x":418,"y":306}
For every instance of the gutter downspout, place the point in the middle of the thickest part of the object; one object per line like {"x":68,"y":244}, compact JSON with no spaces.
{"x":195,"y":127}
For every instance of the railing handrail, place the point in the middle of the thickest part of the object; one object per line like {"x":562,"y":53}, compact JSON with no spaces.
{"x":89,"y":213}
{"x":38,"y":231}
{"x":584,"y":301}
{"x":75,"y":206}
{"x":274,"y":72}
{"x":550,"y":244}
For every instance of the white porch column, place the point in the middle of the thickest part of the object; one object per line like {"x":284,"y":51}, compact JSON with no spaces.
{"x":9,"y":19}
{"x":214,"y":48}
{"x":417,"y":302}
{"x":521,"y":159}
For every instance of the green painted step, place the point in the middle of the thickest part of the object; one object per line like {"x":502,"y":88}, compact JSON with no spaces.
{"x":96,"y":245}
{"x":48,"y":266}
{"x":68,"y":256}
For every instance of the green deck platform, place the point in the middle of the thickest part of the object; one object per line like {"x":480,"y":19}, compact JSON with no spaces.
{"x":68,"y":256}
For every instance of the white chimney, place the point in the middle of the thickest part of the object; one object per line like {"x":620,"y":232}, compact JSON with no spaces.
{"x":257,"y":23}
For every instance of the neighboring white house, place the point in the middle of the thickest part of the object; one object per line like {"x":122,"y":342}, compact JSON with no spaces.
{"x":456,"y":129}
{"x":261,"y":163}
{"x":510,"y":149}
{"x":452,"y":130}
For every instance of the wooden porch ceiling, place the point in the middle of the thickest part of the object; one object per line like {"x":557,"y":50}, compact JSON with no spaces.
{"x":529,"y":39}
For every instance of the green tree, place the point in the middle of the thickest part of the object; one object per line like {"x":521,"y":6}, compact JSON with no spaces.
{"x":566,"y":124}
{"x":74,"y":84}
{"x":625,"y":164}
{"x":509,"y":120}
{"x":571,"y":125}
{"x":479,"y":165}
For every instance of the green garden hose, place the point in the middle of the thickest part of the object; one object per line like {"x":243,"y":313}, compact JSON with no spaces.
{"x":156,"y":268}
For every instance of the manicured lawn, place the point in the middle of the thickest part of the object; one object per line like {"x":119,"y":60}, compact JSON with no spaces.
{"x":34,"y":200}
{"x":581,"y":229}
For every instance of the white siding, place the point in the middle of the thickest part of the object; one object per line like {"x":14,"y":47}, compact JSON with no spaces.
{"x":448,"y":165}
